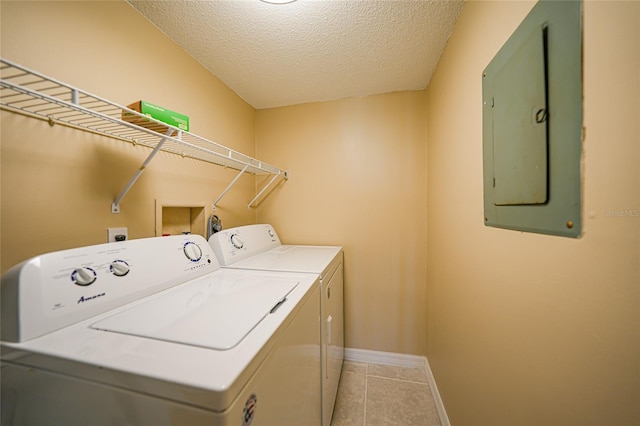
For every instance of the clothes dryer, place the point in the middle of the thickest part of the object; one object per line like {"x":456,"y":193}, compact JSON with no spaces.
{"x":153,"y":332}
{"x":258,"y":248}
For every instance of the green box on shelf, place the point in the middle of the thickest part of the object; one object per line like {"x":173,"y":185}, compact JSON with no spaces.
{"x":159,"y":113}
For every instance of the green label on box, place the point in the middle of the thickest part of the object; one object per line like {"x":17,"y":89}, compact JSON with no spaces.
{"x":172,"y":118}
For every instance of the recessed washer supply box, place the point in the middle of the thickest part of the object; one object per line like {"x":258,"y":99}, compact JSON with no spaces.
{"x":173,"y":118}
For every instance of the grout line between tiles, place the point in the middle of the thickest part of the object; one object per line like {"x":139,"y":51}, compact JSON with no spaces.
{"x":366,"y":385}
{"x":399,"y":380}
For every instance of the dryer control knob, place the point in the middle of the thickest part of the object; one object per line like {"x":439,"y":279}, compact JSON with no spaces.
{"x":192,"y":251}
{"x":83,"y":276}
{"x":236,"y":241}
{"x":119,"y":268}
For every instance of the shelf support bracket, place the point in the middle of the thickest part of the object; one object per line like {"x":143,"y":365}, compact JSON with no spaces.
{"x":273,"y":178}
{"x":233,"y":182}
{"x":115,"y":206}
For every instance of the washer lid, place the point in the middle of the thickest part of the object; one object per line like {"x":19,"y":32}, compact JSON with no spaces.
{"x":214,"y":312}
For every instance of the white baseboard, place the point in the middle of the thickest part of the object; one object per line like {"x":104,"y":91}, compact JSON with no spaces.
{"x":442,"y":413}
{"x":401,"y":360}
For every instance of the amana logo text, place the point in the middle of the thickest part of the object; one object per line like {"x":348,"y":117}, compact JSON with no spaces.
{"x":87,"y":299}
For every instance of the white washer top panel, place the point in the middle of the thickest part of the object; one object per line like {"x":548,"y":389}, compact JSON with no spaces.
{"x":214,"y":312}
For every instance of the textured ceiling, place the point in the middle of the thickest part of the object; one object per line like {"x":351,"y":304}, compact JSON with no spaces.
{"x":309,"y":50}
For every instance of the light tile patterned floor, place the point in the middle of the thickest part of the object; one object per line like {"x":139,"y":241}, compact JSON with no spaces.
{"x":378,"y":395}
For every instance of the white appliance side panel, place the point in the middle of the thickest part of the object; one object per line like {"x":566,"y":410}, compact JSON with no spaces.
{"x":288,"y":387}
{"x":37,"y":397}
{"x":332,"y":340}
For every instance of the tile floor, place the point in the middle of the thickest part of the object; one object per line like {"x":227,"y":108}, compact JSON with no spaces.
{"x":378,"y":395}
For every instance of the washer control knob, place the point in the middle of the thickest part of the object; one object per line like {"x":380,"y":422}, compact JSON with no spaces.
{"x":236,"y":241}
{"x":192,"y":251}
{"x":84,"y":276}
{"x":119,"y":268}
{"x":270,"y":232}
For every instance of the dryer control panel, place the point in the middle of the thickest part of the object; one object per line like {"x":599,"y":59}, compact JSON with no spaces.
{"x":58,"y":289}
{"x":236,"y":244}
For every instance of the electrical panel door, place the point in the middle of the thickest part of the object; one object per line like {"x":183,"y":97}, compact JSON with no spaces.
{"x":532,"y":124}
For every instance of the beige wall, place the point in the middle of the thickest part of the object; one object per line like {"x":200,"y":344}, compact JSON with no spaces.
{"x":358,"y":179}
{"x":58,"y":183}
{"x":529,"y":329}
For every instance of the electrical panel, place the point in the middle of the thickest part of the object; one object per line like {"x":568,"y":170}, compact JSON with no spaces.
{"x":532,"y":124}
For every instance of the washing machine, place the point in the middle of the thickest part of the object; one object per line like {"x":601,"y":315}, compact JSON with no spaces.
{"x":258,"y":248}
{"x":154,"y":332}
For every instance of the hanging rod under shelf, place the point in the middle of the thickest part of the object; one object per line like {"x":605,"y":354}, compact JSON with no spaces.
{"x":35,"y":94}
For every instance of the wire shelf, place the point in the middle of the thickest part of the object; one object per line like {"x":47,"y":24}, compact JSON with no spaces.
{"x":35,"y":94}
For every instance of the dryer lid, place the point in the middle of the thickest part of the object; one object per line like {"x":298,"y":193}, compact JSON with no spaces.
{"x":292,"y":258}
{"x":214,"y":312}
